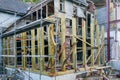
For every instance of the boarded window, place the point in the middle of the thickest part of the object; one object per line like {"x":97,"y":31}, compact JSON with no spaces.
{"x":62,"y":5}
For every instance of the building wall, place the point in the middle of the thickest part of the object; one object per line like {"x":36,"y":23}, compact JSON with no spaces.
{"x":68,"y":9}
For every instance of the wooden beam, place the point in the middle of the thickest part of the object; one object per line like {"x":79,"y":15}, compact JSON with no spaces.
{"x":33,"y":48}
{"x":74,"y":56}
{"x":103,"y":49}
{"x":63,"y":32}
{"x":42,"y":47}
{"x":98,"y":42}
{"x":24,"y":51}
{"x":4,"y":50}
{"x":92,"y":42}
{"x":84,"y":40}
{"x":51,"y":47}
{"x":8,"y":50}
{"x":38,"y":39}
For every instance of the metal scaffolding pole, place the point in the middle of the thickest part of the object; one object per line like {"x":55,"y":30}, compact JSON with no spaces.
{"x":41,"y":43}
{"x":15,"y":61}
{"x":108,"y":29}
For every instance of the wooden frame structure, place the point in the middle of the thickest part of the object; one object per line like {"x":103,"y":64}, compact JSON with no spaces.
{"x":40,"y":51}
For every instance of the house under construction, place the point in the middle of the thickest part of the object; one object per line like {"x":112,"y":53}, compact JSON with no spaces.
{"x":56,"y":40}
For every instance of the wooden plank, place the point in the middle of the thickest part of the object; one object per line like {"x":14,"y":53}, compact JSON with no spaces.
{"x":41,"y":47}
{"x":84,"y":40}
{"x":51,"y":47}
{"x":15,"y":52}
{"x":103,"y":49}
{"x":4,"y":50}
{"x":74,"y":56}
{"x":24,"y":51}
{"x":38,"y":40}
{"x":63,"y":32}
{"x":92,"y":42}
{"x":8,"y":49}
{"x":33,"y":48}
{"x":98,"y":42}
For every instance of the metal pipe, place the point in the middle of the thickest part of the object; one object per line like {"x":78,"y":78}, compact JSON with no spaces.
{"x":108,"y":29}
{"x":41,"y":44}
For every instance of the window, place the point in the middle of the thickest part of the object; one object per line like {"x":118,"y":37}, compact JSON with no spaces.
{"x":62,"y":5}
{"x":88,"y":24}
{"x":68,"y":23}
{"x":74,"y":10}
{"x":79,"y":27}
{"x":68,"y":26}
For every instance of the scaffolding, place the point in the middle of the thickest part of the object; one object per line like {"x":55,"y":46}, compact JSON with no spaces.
{"x":55,"y":45}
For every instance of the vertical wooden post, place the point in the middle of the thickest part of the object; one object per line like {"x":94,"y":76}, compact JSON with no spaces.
{"x":4,"y":50}
{"x":63,"y":31}
{"x":8,"y":49}
{"x":24,"y":44}
{"x":98,"y":42}
{"x":38,"y":39}
{"x":46,"y":10}
{"x":74,"y":42}
{"x":103,"y":49}
{"x":84,"y":40}
{"x":92,"y":43}
{"x":43,"y":49}
{"x":51,"y":46}
{"x":39,"y":46}
{"x":15,"y":52}
{"x":33,"y":49}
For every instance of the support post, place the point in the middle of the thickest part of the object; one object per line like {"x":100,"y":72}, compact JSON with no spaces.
{"x":108,"y":28}
{"x":8,"y":50}
{"x":84,"y":40}
{"x":42,"y":47}
{"x":63,"y":32}
{"x":4,"y":51}
{"x":98,"y":42}
{"x":103,"y":49}
{"x":51,"y":47}
{"x":38,"y":39}
{"x":92,"y":43}
{"x":24,"y":52}
{"x":74,"y":56}
{"x":33,"y":49}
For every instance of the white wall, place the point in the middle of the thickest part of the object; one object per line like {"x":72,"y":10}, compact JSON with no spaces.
{"x":68,"y":9}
